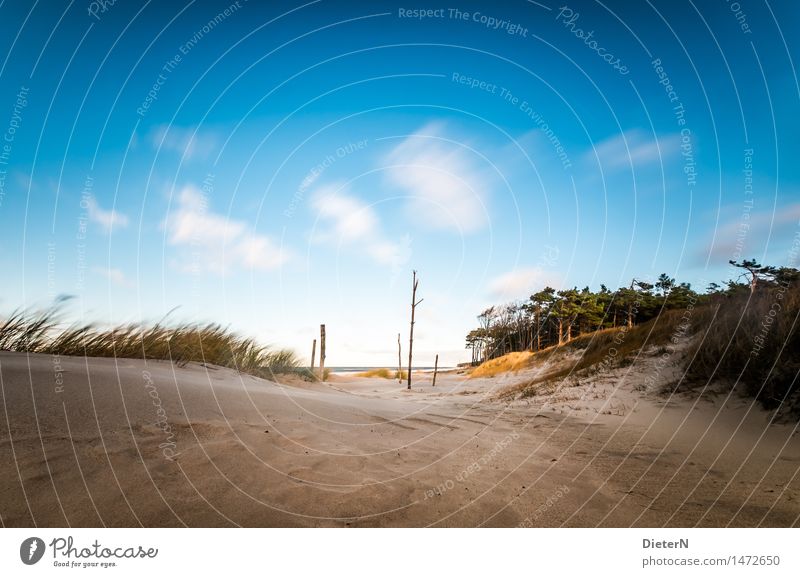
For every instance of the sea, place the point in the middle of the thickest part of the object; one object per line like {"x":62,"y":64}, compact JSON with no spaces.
{"x":340,"y":370}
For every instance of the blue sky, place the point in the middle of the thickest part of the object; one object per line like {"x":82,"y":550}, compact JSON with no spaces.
{"x":277,"y":166}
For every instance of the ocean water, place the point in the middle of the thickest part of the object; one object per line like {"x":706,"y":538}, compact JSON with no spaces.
{"x":363,"y":369}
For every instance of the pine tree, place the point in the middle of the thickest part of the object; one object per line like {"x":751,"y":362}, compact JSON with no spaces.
{"x":754,"y":272}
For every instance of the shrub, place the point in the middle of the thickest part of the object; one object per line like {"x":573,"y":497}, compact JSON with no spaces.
{"x":751,"y":339}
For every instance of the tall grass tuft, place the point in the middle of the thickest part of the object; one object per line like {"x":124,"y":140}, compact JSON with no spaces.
{"x":752,"y":339}
{"x":44,"y":332}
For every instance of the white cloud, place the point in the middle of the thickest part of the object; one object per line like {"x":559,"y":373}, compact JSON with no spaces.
{"x":107,"y":219}
{"x":217,"y":243}
{"x":194,"y":223}
{"x":522,"y":282}
{"x":351,"y":219}
{"x":390,"y":252}
{"x":747,"y":236}
{"x":445,"y":189}
{"x":259,"y":252}
{"x":633,"y":147}
{"x":355,"y":223}
{"x":115,"y":275}
{"x":186,"y":141}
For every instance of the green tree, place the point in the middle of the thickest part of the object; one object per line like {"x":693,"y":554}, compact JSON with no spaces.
{"x":590,"y":317}
{"x":665,"y":284}
{"x":541,"y":303}
{"x":569,"y":308}
{"x":754,"y":272}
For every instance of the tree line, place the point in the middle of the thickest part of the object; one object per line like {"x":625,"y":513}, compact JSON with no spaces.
{"x":554,"y":317}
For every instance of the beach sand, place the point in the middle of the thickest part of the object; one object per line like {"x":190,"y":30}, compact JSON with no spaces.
{"x":105,"y":442}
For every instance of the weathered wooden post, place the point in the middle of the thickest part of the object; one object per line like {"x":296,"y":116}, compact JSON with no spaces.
{"x":414,"y":303}
{"x":313,"y":354}
{"x":399,"y":362}
{"x":435,"y":369}
{"x":321,"y":352}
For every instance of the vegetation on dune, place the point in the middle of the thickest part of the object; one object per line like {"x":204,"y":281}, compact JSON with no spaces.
{"x":383,"y":374}
{"x":744,"y":333}
{"x":551,"y":317}
{"x":305,"y":373}
{"x":508,"y":362}
{"x":752,"y":338}
{"x":599,"y":351}
{"x":44,"y":332}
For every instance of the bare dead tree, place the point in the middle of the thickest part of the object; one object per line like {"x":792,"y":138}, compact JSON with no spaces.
{"x":322,"y":352}
{"x":399,"y":362}
{"x":313,"y":354}
{"x":414,"y":303}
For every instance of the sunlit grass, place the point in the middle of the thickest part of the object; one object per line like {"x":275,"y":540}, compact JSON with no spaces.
{"x":44,"y":332}
{"x":504,"y":364}
{"x":383,"y":374}
{"x":599,"y":350}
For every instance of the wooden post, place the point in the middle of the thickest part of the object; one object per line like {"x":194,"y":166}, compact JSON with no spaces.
{"x":313,"y":354}
{"x":399,"y":362}
{"x":414,"y":303}
{"x":321,"y":352}
{"x":435,"y":369}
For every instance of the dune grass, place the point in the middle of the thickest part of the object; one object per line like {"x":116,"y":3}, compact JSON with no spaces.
{"x":306,"y":373}
{"x":506,"y":363}
{"x":43,"y":331}
{"x":597,"y":351}
{"x":747,"y":340}
{"x":383,"y":374}
{"x":751,"y":340}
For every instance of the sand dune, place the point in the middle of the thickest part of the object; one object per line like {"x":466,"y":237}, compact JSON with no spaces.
{"x":93,"y":442}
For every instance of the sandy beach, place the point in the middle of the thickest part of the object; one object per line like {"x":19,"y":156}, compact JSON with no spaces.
{"x":104,"y":442}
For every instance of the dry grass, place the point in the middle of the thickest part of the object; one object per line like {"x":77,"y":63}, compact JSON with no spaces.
{"x":44,"y":332}
{"x":752,"y":340}
{"x":383,"y":374}
{"x":304,"y":373}
{"x":504,"y":364}
{"x":597,"y":351}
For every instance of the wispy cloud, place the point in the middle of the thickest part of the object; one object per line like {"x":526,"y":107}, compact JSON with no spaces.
{"x":747,"y":236}
{"x":633,"y":147}
{"x":107,"y":219}
{"x":349,"y":220}
{"x":186,"y":141}
{"x":215,"y":242}
{"x":445,"y":188}
{"x":115,"y":275}
{"x":193,"y":222}
{"x":259,"y":252}
{"x":522,"y":282}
